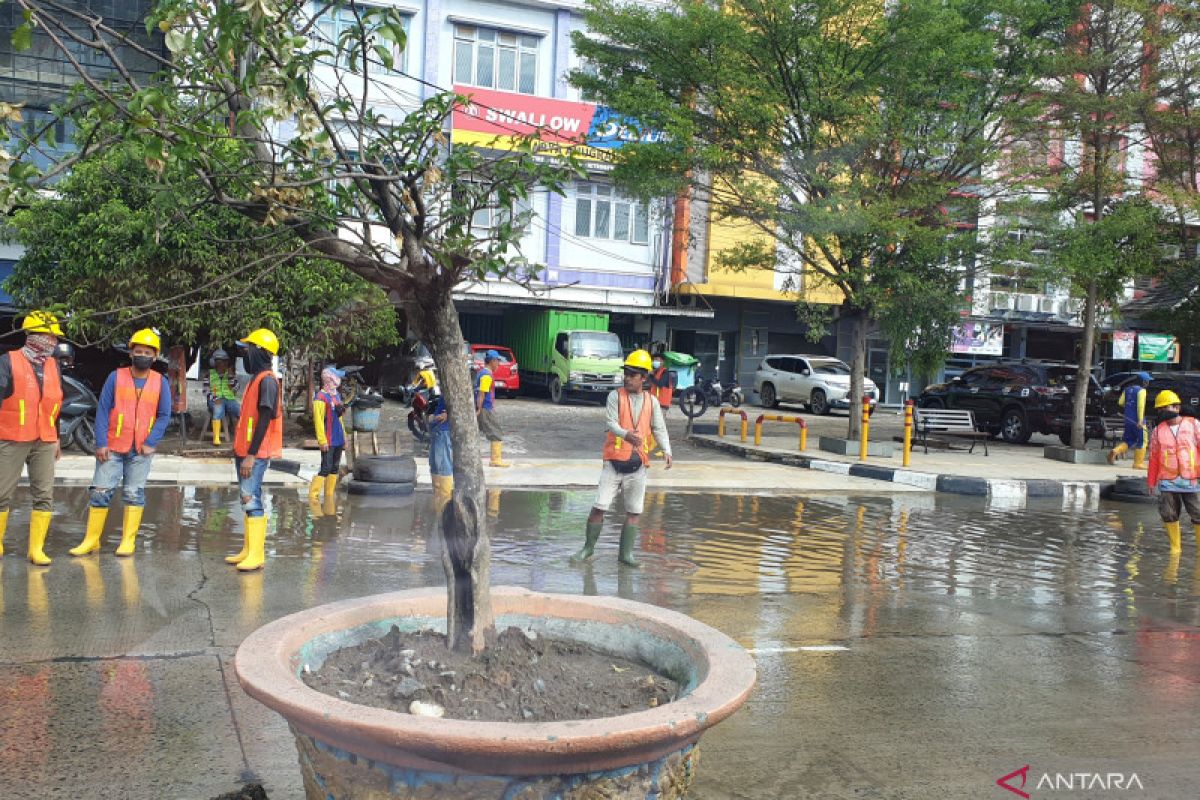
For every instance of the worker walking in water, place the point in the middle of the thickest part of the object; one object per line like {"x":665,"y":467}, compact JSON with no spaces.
{"x":631,"y":416}
{"x":1173,"y":470}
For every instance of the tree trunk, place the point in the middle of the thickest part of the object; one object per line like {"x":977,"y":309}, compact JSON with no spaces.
{"x":1083,"y":375}
{"x":858,"y":369}
{"x":466,"y":555}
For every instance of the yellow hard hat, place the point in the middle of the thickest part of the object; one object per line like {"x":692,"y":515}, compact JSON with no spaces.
{"x":148,"y":337}
{"x":41,"y":322}
{"x":428,"y":378}
{"x":264,"y":339}
{"x":1167,"y":398}
{"x":639,"y":359}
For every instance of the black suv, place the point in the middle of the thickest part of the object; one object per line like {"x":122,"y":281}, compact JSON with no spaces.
{"x":1184,"y":384}
{"x":1018,"y":399}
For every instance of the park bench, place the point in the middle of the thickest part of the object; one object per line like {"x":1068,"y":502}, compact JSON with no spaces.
{"x":1114,"y":430}
{"x":944,"y":422}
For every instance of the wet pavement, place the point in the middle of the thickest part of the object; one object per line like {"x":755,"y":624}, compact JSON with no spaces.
{"x":909,"y":646}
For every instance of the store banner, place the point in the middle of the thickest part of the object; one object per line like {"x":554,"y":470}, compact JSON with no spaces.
{"x":1157,"y":348}
{"x":503,"y":120}
{"x":1124,"y":345}
{"x":978,"y":338}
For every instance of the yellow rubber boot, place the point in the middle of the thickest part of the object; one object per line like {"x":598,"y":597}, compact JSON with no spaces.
{"x":443,"y":490}
{"x":1173,"y":536}
{"x":3,"y":528}
{"x":498,"y":455}
{"x":314,"y":490}
{"x":1139,"y":458}
{"x":216,"y":433}
{"x":240,"y":556}
{"x":129,"y":530}
{"x":331,"y":495}
{"x":39,"y":526}
{"x":1171,"y":573}
{"x":1117,"y":452}
{"x":95,"y":529}
{"x":256,"y":541}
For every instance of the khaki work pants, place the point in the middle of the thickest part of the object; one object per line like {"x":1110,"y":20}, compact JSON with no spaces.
{"x":40,"y":457}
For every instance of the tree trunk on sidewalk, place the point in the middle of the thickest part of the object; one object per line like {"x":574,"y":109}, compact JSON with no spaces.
{"x":1083,"y":375}
{"x":463,"y":522}
{"x":858,"y":369}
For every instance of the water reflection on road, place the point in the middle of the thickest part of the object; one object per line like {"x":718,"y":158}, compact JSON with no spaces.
{"x":891,"y":633}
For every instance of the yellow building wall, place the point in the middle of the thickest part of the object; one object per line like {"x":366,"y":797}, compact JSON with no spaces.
{"x":757,"y":284}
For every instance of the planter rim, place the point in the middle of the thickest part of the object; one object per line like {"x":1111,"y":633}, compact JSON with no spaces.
{"x":266,"y":670}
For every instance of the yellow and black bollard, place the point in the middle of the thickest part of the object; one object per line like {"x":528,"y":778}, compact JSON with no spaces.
{"x":866,"y":428}
{"x":908,"y":431}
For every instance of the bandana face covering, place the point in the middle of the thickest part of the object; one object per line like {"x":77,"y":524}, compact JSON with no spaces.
{"x":38,"y":347}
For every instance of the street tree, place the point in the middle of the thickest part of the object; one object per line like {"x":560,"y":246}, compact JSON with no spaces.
{"x":1072,"y":190}
{"x":316,"y":129}
{"x":1170,"y":118}
{"x":123,"y":246}
{"x":853,"y":136}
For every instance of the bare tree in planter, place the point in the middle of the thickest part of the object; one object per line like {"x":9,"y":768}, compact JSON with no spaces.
{"x":301,"y":122}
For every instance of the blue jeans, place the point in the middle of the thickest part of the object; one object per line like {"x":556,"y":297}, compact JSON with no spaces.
{"x":251,"y":488}
{"x":441,"y":455}
{"x":220,"y":409}
{"x":128,"y":470}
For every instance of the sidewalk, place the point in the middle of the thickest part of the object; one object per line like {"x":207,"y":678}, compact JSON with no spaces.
{"x":1009,"y":474}
{"x":525,"y":473}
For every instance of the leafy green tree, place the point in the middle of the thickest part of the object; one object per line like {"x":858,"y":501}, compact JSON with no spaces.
{"x":314,"y":136}
{"x":1170,"y":117}
{"x":853,"y":138}
{"x":1077,"y":197}
{"x":122,"y":246}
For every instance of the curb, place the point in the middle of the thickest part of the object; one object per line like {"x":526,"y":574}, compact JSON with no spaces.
{"x":998,"y":491}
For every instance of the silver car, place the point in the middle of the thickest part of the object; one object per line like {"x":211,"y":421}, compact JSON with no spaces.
{"x":819,"y":382}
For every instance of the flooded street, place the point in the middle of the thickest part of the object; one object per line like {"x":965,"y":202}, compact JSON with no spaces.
{"x":914,"y":646}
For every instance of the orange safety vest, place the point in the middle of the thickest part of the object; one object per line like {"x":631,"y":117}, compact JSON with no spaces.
{"x":272,"y":443}
{"x":30,"y":413}
{"x":662,"y":389}
{"x":133,"y":412}
{"x":1174,"y":455}
{"x":615,"y":447}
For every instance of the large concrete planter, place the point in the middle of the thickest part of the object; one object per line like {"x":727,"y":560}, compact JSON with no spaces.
{"x":353,"y":751}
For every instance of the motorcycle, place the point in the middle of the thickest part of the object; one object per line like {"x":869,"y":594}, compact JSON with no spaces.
{"x":77,"y":419}
{"x":421,"y":403}
{"x":696,"y":399}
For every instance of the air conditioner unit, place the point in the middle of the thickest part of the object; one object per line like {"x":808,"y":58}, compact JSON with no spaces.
{"x":1046,"y":305}
{"x":1026,"y":302}
{"x":1000,"y":300}
{"x":1067,"y":308}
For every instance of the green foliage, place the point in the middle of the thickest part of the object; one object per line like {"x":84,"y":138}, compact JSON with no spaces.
{"x":853,"y":140}
{"x":122,"y":246}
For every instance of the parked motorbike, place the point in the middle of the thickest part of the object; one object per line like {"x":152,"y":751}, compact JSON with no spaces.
{"x":77,"y":418}
{"x":696,"y":399}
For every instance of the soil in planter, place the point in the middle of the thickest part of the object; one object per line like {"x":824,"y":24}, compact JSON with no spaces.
{"x":518,"y":678}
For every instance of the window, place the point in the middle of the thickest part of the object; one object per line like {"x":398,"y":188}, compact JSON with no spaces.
{"x":495,"y":59}
{"x":336,"y":21}
{"x":493,"y":214}
{"x":602,"y":213}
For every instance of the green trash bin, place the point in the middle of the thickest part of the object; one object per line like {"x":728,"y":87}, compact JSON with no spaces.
{"x":684,"y":367}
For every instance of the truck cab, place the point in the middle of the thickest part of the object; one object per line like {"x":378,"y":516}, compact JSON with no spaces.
{"x":585,"y":363}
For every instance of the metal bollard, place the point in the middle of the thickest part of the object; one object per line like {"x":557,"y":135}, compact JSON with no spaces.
{"x":908,"y":431}
{"x":803,"y":435}
{"x":866,"y":427}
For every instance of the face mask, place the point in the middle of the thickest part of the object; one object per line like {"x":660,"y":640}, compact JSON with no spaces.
{"x":1166,"y":415}
{"x":143,"y":362}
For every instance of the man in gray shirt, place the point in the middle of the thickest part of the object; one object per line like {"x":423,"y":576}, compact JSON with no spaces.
{"x":631,"y":416}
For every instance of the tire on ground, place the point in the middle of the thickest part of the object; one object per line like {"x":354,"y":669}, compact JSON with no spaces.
{"x":385,"y":469}
{"x":365,"y":489}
